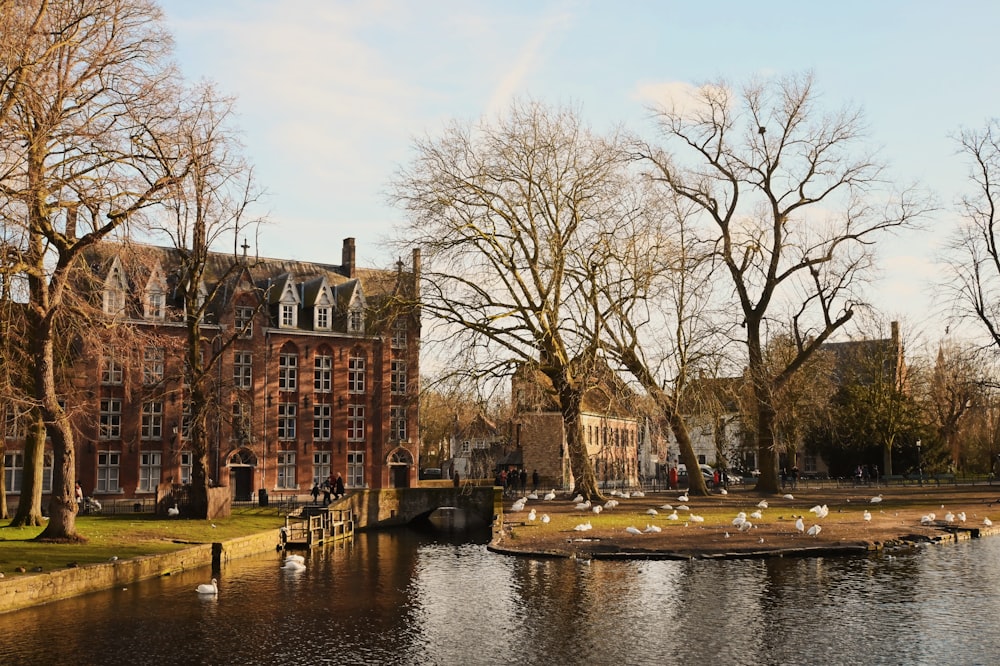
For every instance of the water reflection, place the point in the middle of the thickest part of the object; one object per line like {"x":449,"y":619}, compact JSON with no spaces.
{"x":406,"y":598}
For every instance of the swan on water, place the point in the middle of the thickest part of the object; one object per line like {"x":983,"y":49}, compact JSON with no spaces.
{"x":295,"y":558}
{"x":292,"y":565}
{"x":208,"y":588}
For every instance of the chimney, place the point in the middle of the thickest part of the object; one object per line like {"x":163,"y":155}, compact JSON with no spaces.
{"x":347,"y":260}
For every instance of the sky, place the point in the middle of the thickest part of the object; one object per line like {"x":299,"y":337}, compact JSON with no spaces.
{"x":331,"y":94}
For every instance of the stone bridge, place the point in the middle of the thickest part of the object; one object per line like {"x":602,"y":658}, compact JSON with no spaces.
{"x":476,"y":505}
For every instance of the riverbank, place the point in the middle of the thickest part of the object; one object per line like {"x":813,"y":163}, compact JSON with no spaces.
{"x":702,"y":527}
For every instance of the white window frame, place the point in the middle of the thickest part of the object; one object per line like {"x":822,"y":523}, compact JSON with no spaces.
{"x":108,"y":468}
{"x":322,"y":422}
{"x":287,"y":413}
{"x":321,"y":466}
{"x":114,"y":301}
{"x":287,"y":315}
{"x":288,"y":372}
{"x":152,"y":420}
{"x":153,"y":359}
{"x":286,"y":470}
{"x":322,"y":373}
{"x":243,"y":370}
{"x":150,"y":471}
{"x":399,"y":331}
{"x":156,"y":305}
{"x":397,"y":377}
{"x":397,"y":423}
{"x":110,"y":424}
{"x":187,"y":463}
{"x":244,"y":317}
{"x":355,"y":469}
{"x":112,"y":372}
{"x":322,"y":317}
{"x":355,"y":320}
{"x":356,"y":367}
{"x":355,"y":423}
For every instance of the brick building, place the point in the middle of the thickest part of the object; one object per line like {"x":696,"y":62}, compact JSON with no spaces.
{"x":318,"y":375}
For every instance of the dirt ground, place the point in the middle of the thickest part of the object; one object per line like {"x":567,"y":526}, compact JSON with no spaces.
{"x":895,"y":522}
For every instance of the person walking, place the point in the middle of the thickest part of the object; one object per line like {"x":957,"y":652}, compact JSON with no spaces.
{"x":338,"y":487}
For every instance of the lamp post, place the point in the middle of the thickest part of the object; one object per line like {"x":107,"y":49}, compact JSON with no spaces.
{"x":920,"y":466}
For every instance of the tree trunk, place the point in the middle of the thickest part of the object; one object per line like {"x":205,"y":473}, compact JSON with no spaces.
{"x":198,"y":492}
{"x":62,"y":502}
{"x":696,"y":482}
{"x":29,"y":506}
{"x":767,"y":482}
{"x":584,"y":479}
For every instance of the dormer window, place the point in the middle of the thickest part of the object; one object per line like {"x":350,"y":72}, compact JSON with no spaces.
{"x":355,"y":321}
{"x":114,"y":290}
{"x":322,"y":322}
{"x":156,"y":305}
{"x":288,"y":315}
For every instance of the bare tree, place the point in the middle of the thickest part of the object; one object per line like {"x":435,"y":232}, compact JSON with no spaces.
{"x":792,"y":212}
{"x":206,"y":207}
{"x":506,"y":214}
{"x":974,"y":252}
{"x":85,"y":90}
{"x":651,"y":292}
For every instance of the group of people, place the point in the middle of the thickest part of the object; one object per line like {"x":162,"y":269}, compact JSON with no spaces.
{"x":514,"y":481}
{"x":790,"y":476}
{"x":332,"y":488}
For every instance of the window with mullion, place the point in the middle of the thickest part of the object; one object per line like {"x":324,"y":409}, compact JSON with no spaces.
{"x":322,"y":374}
{"x":288,"y":372}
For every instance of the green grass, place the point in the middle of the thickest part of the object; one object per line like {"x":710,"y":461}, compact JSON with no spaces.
{"x":125,"y":536}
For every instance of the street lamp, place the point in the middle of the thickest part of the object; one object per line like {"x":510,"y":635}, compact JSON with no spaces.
{"x":920,"y":467}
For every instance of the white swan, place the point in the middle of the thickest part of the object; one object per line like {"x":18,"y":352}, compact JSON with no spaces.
{"x":651,"y":512}
{"x":820,"y":510}
{"x":867,"y":515}
{"x":583,"y":527}
{"x":295,"y":558}
{"x":532,"y":515}
{"x":545,"y":518}
{"x":757,"y":515}
{"x":632,"y":529}
{"x":876,"y":499}
{"x":292,"y":565}
{"x":173,"y":511}
{"x":519,"y":504}
{"x":745,"y":526}
{"x":696,"y":519}
{"x":652,"y":529}
{"x":673,"y":516}
{"x":683,"y":498}
{"x":788,"y":496}
{"x":583,"y":506}
{"x":549,"y":496}
{"x":667,"y":507}
{"x":961,"y":516}
{"x":762,"y":504}
{"x":814,"y":530}
{"x":799,"y":525}
{"x":596,"y":508}
{"x":638,"y":493}
{"x":949,"y":517}
{"x":578,"y":499}
{"x":987,"y":522}
{"x":208,"y":588}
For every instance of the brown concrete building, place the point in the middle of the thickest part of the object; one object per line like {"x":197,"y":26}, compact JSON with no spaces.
{"x":318,"y":375}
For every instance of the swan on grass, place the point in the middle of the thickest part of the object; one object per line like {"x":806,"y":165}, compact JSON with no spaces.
{"x":632,"y":529}
{"x":762,"y":504}
{"x":532,"y":515}
{"x":683,"y":498}
{"x":799,"y":525}
{"x":651,"y":512}
{"x":545,"y":518}
{"x":583,"y":527}
{"x":814,"y":530}
{"x":549,"y":496}
{"x":208,"y":588}
{"x":173,"y":511}
{"x":757,"y":515}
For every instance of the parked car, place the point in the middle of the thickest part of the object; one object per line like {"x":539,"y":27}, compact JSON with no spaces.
{"x":707,"y":472}
{"x":430,"y":473}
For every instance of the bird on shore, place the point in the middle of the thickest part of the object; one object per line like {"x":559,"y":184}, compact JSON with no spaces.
{"x":651,"y":512}
{"x":814,"y":530}
{"x":638,"y":493}
{"x":578,"y":499}
{"x":820,"y":510}
{"x":987,"y":522}
{"x":652,"y":529}
{"x":545,"y":518}
{"x":596,"y":508}
{"x":696,"y":519}
{"x":532,"y":515}
{"x":961,"y":516}
{"x":757,"y":515}
{"x":519,"y":504}
{"x":208,"y":588}
{"x":583,"y":506}
{"x":867,"y":515}
{"x":667,"y":507}
{"x":683,"y":498}
{"x":673,"y":516}
{"x":876,"y":499}
{"x":549,"y":496}
{"x":927,"y":519}
{"x":632,"y":529}
{"x":788,"y":496}
{"x":799,"y":525}
{"x":949,"y":517}
{"x":173,"y":511}
{"x":583,"y":527}
{"x":762,"y":504}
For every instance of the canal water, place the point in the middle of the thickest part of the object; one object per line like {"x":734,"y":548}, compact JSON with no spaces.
{"x":404,"y":597}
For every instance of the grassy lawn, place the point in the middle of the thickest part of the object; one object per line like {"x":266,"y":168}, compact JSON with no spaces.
{"x":125,"y":536}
